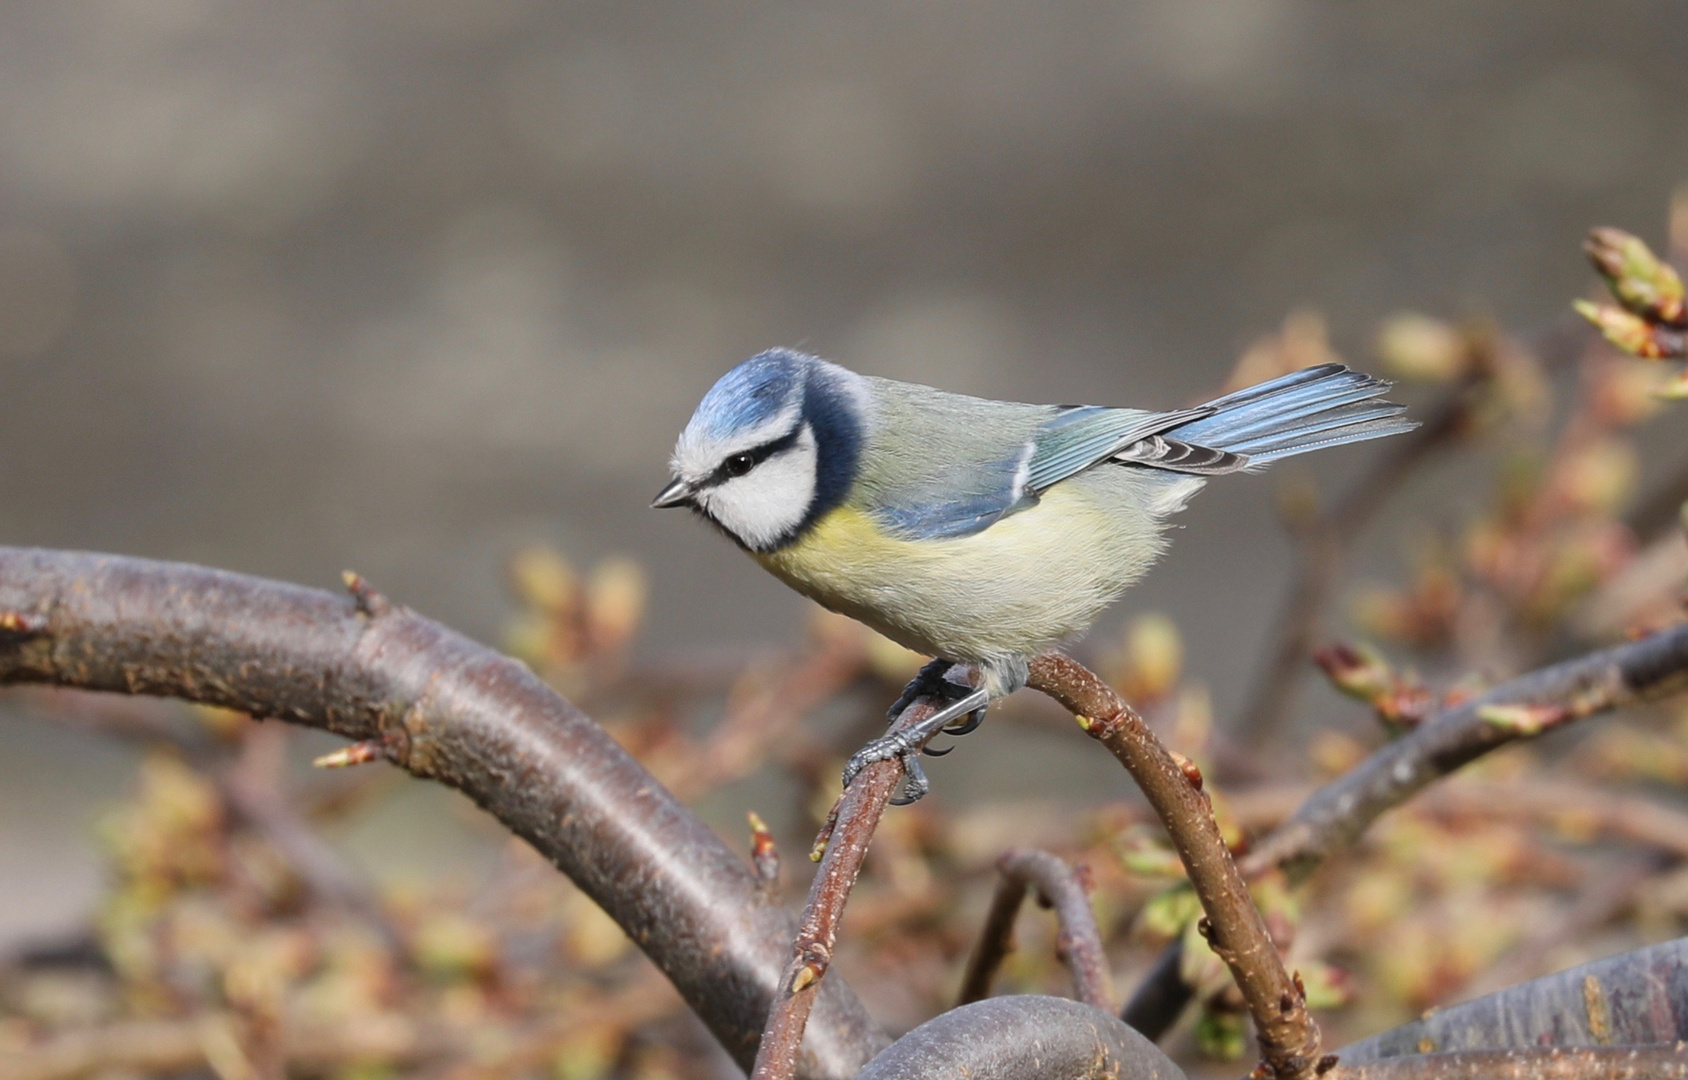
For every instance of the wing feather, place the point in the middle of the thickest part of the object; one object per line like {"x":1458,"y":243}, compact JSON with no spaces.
{"x":1077,"y":438}
{"x":1172,"y":455}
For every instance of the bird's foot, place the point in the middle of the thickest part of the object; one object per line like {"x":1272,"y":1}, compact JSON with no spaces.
{"x":904,"y":746}
{"x":886,"y":748}
{"x":931,"y":681}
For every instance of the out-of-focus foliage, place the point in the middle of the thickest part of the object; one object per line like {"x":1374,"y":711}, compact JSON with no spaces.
{"x":236,"y":938}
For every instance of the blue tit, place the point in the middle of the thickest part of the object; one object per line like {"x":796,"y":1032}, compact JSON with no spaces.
{"x":972,"y":530}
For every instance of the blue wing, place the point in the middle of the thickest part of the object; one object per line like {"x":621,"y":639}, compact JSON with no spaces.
{"x":962,"y":501}
{"x":970,"y":498}
{"x":1328,"y":405}
{"x":1077,"y":438}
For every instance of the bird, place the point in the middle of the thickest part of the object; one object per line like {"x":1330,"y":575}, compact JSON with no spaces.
{"x":974,"y":531}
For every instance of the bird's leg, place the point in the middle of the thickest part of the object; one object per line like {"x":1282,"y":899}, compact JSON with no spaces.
{"x":903,"y":745}
{"x":930,"y":682}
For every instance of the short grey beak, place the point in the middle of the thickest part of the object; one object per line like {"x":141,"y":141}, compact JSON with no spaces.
{"x":677,"y":493}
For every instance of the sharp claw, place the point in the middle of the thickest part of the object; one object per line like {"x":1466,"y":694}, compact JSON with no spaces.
{"x":901,"y":746}
{"x":881,"y":749}
{"x":974,"y":719}
{"x":915,"y":784}
{"x":929,"y":680}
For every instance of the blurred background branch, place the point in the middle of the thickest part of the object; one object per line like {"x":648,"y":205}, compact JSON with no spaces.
{"x":1079,"y":944}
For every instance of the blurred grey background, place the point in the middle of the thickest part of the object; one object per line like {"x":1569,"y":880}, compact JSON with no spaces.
{"x":400,"y":285}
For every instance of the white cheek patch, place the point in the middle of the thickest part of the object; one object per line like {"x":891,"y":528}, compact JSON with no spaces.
{"x":768,"y":502}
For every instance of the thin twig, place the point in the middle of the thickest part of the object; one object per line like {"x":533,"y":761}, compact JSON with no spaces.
{"x":1321,"y":556}
{"x":762,"y":708}
{"x":446,"y":709}
{"x":251,"y":785}
{"x":254,"y":789}
{"x":1289,"y":1039}
{"x":846,"y":836}
{"x":1079,"y":942}
{"x":1335,"y":816}
{"x":1667,"y":1062}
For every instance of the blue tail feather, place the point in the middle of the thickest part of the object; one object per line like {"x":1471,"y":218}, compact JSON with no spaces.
{"x":1327,"y":402}
{"x":1330,"y":420}
{"x":1305,"y":410}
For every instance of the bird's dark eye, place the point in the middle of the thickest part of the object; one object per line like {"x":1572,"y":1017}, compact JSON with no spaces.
{"x":739,"y":464}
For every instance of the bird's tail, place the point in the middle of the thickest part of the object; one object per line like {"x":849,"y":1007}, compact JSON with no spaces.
{"x":1305,"y":410}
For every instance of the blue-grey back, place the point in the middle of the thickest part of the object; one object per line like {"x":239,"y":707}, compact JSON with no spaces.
{"x":939,"y":464}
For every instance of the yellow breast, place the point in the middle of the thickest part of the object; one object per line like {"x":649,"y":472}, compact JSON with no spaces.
{"x":1026,"y":582}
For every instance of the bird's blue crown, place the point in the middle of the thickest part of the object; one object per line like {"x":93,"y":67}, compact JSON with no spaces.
{"x":753,"y":393}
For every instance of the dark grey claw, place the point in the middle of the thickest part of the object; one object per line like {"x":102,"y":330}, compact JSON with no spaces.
{"x":915,"y":784}
{"x":900,"y":745}
{"x":974,"y":719}
{"x":929,"y":681}
{"x":883,"y":748}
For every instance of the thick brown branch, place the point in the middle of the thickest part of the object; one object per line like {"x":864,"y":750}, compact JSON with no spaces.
{"x":447,"y":709}
{"x":1633,"y":999}
{"x":846,"y":836}
{"x":1022,"y":1038}
{"x":1336,"y":815}
{"x":1079,"y":943}
{"x":1289,"y":1039}
{"x":1559,"y":1063}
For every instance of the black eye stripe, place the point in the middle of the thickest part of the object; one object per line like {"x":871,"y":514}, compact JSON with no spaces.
{"x":756,"y":454}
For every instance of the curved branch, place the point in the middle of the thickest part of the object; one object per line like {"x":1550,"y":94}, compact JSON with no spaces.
{"x":1635,"y":998}
{"x":446,"y":709}
{"x":1022,"y":1038}
{"x":1335,"y":815}
{"x":1584,"y":1063}
{"x":1289,"y":1039}
{"x":1079,"y":942}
